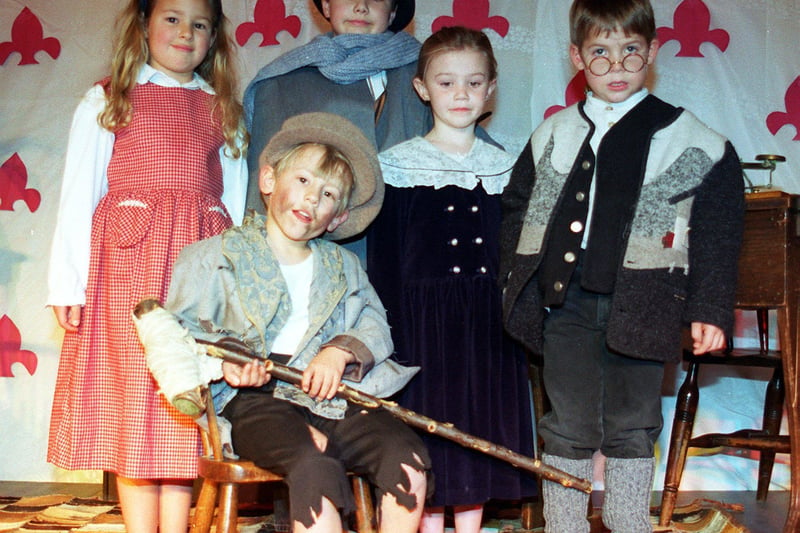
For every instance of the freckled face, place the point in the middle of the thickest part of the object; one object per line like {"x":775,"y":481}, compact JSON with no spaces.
{"x":301,"y":205}
{"x":617,"y":84}
{"x":358,"y":16}
{"x":457,"y":85}
{"x":179,"y":35}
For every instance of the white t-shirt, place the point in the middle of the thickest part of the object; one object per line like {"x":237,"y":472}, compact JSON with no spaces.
{"x":298,"y":279}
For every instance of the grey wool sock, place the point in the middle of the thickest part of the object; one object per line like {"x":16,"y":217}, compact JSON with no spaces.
{"x":628,"y":484}
{"x":565,"y":509}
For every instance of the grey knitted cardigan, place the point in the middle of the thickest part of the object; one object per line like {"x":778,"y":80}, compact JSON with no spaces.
{"x":680,"y":250}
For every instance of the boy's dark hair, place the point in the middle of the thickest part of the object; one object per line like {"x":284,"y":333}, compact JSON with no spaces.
{"x":455,"y":38}
{"x":590,"y":17}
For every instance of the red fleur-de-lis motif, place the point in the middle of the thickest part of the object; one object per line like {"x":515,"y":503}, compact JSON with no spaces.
{"x":778,"y":119}
{"x":692,"y":21}
{"x":269,"y":19}
{"x":27,"y":38}
{"x":472,"y":14}
{"x":10,"y":342}
{"x":13,"y":179}
{"x":575,"y":92}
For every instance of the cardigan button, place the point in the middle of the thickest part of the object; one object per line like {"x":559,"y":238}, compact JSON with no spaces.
{"x":456,"y":270}
{"x":453,"y":242}
{"x":558,"y":286}
{"x":576,"y":226}
{"x":478,"y":240}
{"x":580,"y":196}
{"x":586,"y":165}
{"x":570,"y":257}
{"x":450,"y":208}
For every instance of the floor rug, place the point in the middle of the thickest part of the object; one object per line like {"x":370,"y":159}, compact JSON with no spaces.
{"x":59,"y":513}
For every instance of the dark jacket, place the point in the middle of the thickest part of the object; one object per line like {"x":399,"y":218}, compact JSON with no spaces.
{"x":677,"y":251}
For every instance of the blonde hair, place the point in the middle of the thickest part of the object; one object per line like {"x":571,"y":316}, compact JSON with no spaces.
{"x":591,"y":17}
{"x":452,"y":39}
{"x":130,"y":53}
{"x":332,"y":164}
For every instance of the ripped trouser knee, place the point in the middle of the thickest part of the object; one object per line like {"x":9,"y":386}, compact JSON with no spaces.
{"x":313,"y":478}
{"x":378,"y":445}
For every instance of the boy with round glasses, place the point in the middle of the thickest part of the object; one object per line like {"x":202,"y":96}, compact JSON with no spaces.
{"x":622,"y":225}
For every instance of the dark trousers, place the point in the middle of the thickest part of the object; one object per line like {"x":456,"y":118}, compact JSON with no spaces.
{"x":601,"y":400}
{"x":274,"y":435}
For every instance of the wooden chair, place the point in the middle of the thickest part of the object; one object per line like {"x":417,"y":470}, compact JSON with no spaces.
{"x":222,"y":477}
{"x":766,"y":440}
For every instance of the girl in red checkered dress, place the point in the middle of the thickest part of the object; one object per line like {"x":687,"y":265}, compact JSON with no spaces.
{"x":154,"y":163}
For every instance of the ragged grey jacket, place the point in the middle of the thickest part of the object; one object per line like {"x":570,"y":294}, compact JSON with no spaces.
{"x":679,"y":249}
{"x":231,"y":285}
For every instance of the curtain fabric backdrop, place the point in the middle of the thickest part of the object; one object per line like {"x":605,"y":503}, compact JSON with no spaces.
{"x":733,"y":63}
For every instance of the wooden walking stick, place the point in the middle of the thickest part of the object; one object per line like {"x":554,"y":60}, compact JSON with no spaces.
{"x":235,"y":353}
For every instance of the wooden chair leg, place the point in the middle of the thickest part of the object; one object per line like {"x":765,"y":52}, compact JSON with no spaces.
{"x":365,"y":510}
{"x":685,"y":410}
{"x":228,"y":509}
{"x":532,"y":515}
{"x":773,"y":412}
{"x":204,"y":508}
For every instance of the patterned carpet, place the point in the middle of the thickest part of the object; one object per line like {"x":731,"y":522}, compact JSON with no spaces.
{"x":60,"y":513}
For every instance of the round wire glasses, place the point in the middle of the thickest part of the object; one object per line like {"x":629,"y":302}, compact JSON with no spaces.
{"x":633,"y":63}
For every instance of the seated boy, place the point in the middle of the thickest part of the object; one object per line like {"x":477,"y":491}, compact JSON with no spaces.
{"x":304,"y":301}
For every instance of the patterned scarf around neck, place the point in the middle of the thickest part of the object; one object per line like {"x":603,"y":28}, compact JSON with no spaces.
{"x":343,"y":59}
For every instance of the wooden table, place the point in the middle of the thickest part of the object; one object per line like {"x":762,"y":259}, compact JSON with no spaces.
{"x":769,"y":276}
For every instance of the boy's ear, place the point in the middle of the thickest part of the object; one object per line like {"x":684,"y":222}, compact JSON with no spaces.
{"x":575,"y":57}
{"x":338,"y":221}
{"x":266,"y":179}
{"x":422,"y":91}
{"x":653,"y":51}
{"x":326,"y":9}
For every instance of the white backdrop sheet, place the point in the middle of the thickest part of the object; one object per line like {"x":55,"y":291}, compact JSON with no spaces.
{"x":734,"y":63}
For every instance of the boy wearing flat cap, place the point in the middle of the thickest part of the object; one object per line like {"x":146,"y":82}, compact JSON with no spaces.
{"x":361,"y":70}
{"x":302,"y":300}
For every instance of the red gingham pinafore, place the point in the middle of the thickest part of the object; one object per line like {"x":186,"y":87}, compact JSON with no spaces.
{"x":165,"y":185}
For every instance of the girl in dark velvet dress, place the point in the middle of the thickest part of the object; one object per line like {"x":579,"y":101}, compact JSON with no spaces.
{"x":433,"y":257}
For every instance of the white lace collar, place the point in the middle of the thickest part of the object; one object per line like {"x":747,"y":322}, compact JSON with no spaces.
{"x":417,"y":162}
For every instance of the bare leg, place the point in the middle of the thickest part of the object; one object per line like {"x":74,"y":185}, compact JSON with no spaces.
{"x":138,"y":499}
{"x":328,"y":520}
{"x":432,"y":520}
{"x":397,"y":519}
{"x":175,"y":501}
{"x":468,"y":518}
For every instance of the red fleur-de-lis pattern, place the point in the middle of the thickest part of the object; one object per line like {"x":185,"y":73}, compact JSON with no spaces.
{"x":269,"y":19}
{"x":576,"y":91}
{"x":27,"y":39}
{"x":691,"y":28}
{"x":11,"y":352}
{"x":472,"y":14}
{"x":13,"y":183}
{"x":791,"y":117}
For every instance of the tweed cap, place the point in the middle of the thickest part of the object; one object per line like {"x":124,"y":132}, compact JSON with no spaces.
{"x":403,"y":15}
{"x":366,"y":197}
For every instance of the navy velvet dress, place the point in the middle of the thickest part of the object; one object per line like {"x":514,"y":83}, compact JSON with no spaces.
{"x":433,"y":258}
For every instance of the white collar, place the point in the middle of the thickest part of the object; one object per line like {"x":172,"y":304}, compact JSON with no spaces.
{"x":596,"y":106}
{"x":417,"y":162}
{"x":150,"y":74}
